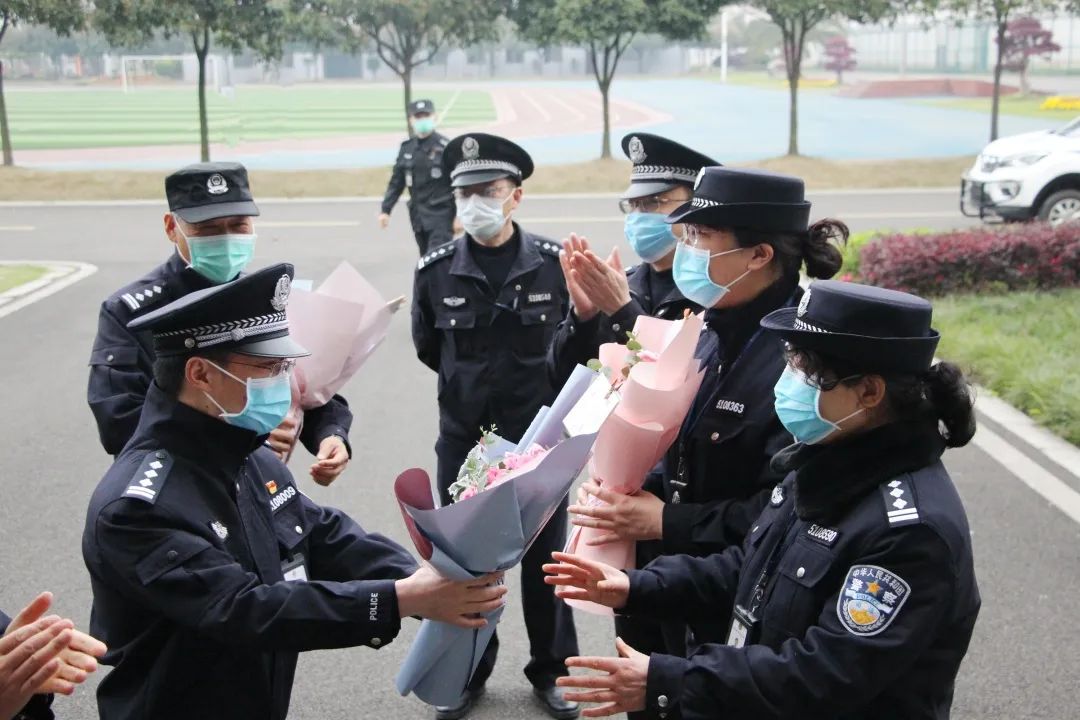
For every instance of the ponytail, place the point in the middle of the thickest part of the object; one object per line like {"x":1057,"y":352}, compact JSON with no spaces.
{"x":815,"y":247}
{"x":952,"y":401}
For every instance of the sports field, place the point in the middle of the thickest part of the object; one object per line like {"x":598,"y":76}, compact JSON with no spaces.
{"x":61,"y":119}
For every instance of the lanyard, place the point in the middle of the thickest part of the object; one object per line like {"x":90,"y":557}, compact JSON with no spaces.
{"x":783,"y":544}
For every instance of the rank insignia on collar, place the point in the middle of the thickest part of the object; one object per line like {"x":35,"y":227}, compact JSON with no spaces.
{"x":453,"y":301}
{"x":871,"y":599}
{"x":220,"y":530}
{"x":777,"y":496}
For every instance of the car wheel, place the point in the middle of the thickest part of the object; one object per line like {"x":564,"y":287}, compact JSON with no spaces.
{"x":1060,"y":207}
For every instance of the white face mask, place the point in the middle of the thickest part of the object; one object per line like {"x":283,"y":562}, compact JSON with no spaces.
{"x":482,"y":217}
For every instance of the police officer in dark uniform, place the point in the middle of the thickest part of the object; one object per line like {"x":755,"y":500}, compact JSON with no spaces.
{"x":747,"y":236}
{"x":210,"y":223}
{"x":419,"y":168}
{"x":485,"y":307}
{"x":855,"y":592}
{"x":606,"y":301}
{"x":210,"y":570}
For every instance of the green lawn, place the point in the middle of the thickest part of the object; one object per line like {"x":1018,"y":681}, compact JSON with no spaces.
{"x":14,"y":275}
{"x":103,"y":118}
{"x":1010,"y":105}
{"x":1022,"y":346}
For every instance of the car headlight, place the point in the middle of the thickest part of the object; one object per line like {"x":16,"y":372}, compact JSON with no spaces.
{"x":1022,"y":160}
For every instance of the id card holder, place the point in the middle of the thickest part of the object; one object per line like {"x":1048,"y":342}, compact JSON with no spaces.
{"x":294,"y":568}
{"x":742,"y":627}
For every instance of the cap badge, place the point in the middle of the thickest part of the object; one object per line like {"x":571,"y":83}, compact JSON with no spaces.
{"x":697,"y":181}
{"x":216,"y":184}
{"x":470,"y":148}
{"x":804,"y":303}
{"x":637,"y":151}
{"x":281,"y":293}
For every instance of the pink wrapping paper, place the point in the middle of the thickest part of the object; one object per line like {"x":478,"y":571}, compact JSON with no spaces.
{"x":654,"y":401}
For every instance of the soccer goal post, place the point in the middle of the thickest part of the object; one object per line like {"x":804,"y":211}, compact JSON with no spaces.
{"x":137,"y":68}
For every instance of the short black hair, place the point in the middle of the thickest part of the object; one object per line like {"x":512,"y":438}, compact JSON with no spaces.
{"x":169,"y":370}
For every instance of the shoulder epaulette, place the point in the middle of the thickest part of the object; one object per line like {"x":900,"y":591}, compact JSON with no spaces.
{"x":143,"y":298}
{"x":436,"y":253}
{"x":900,"y":505}
{"x":549,"y":247}
{"x":444,"y":141}
{"x":148,"y":480}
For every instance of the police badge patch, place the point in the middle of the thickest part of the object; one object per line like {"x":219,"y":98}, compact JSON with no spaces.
{"x":216,"y":184}
{"x":637,"y":150}
{"x":871,"y":599}
{"x":281,"y":293}
{"x":777,"y":496}
{"x":804,"y":303}
{"x":470,"y":148}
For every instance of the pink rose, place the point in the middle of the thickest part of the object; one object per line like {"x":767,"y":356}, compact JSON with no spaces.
{"x":493,"y":475}
{"x":467,"y":493}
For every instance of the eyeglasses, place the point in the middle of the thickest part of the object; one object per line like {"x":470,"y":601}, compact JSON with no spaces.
{"x":491,"y":192}
{"x":280,"y":367}
{"x":694,"y":234}
{"x":650,"y":204}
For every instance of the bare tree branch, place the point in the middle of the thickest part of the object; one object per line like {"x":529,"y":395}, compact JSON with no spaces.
{"x":4,"y":25}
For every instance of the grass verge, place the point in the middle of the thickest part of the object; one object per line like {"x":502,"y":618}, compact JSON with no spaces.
{"x":1022,"y":346}
{"x":1027,"y":106}
{"x":14,"y":275}
{"x":595,"y":176}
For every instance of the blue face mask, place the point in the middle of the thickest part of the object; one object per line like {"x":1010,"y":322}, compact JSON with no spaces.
{"x":649,"y":236}
{"x":691,"y":272}
{"x":798,"y":406}
{"x":219,"y":258}
{"x":268,"y":401}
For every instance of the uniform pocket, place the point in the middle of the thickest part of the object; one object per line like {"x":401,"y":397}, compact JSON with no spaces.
{"x":291,"y":525}
{"x":800,"y":589}
{"x":115,"y":356}
{"x":537,"y":330}
{"x":171,"y":554}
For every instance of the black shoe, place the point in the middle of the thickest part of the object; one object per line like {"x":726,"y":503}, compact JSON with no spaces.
{"x":555,"y":704}
{"x":456,"y":712}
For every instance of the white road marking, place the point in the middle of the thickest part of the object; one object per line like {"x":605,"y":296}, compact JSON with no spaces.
{"x":78,"y":272}
{"x":539,"y":108}
{"x":449,"y":105}
{"x":1053,"y":490}
{"x":1054,"y":448}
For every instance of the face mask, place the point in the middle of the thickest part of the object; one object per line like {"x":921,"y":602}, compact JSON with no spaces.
{"x":798,"y":407}
{"x":219,"y":258}
{"x":649,"y":236}
{"x":691,"y":271}
{"x":481,"y":217}
{"x":424,"y":126}
{"x":268,"y":401}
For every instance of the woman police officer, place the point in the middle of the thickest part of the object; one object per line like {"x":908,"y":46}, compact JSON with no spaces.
{"x":855,"y":591}
{"x":746,"y":238}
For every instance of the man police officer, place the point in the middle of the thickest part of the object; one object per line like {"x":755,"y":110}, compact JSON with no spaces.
{"x":419,"y":168}
{"x":210,"y":569}
{"x":484,"y":311}
{"x":210,"y":223}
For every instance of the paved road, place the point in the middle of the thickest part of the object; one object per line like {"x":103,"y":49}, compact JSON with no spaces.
{"x":1024,"y":656}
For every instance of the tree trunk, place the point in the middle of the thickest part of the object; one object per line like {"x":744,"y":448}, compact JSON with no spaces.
{"x":5,"y":131}
{"x":995,"y":103}
{"x":204,"y":126}
{"x":605,"y":142}
{"x":1025,"y":89}
{"x":406,"y":81}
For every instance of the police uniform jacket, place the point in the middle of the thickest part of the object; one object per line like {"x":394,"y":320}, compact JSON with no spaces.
{"x":488,"y":345}
{"x":419,"y":168}
{"x":717,"y":474}
{"x":189,"y":539}
{"x":651,"y":293}
{"x":122,"y":361}
{"x":859,"y":580}
{"x":39,"y":706}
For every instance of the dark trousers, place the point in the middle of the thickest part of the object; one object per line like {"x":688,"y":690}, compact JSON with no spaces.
{"x":549,"y":621}
{"x":648,"y":635}
{"x":432,"y":230}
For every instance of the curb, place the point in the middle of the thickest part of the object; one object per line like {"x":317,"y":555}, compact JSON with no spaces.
{"x":58,"y":276}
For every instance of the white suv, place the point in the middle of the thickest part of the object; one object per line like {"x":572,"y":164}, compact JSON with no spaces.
{"x":1034,"y":175}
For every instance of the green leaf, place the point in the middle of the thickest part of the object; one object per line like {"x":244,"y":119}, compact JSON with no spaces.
{"x":634,"y":346}
{"x":595,"y":365}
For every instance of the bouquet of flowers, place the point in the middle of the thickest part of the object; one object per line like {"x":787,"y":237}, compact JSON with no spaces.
{"x":654,"y":379}
{"x":504,"y":496}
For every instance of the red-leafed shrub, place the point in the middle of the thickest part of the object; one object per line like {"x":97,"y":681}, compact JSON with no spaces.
{"x":1032,"y":256}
